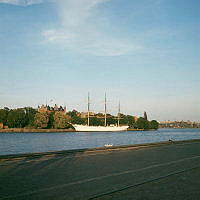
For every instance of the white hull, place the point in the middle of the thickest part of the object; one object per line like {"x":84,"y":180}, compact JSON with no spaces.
{"x":85,"y":128}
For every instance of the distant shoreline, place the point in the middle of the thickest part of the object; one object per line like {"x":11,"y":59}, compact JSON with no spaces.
{"x":178,"y":128}
{"x":34,"y":130}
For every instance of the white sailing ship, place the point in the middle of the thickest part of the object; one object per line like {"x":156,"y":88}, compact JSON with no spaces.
{"x":105,"y":128}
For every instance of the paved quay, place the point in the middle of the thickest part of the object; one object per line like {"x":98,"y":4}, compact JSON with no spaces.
{"x":169,"y":170}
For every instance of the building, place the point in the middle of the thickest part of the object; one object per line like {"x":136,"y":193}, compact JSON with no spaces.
{"x":46,"y":108}
{"x":179,"y":124}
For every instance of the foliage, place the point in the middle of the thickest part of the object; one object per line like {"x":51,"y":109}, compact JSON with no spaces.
{"x":130,"y":121}
{"x":41,"y":120}
{"x":142,"y":123}
{"x":3,"y":116}
{"x":16,"y":118}
{"x":30,"y":114}
{"x":110,"y":120}
{"x":72,"y":113}
{"x":153,"y":124}
{"x":51,"y":120}
{"x":94,"y":121}
{"x":75,"y":119}
{"x":61,"y":120}
{"x":145,"y":116}
{"x":127,"y":120}
{"x":29,"y":117}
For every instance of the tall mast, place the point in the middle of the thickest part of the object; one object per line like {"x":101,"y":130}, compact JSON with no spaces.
{"x":118,"y":114}
{"x":88,"y":109}
{"x":105,"y":110}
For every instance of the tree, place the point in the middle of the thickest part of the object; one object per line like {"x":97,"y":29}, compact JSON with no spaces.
{"x":153,"y":124}
{"x":61,"y":120}
{"x":142,"y":123}
{"x":16,"y":118}
{"x":130,"y":121}
{"x":75,"y":119}
{"x":127,"y":120}
{"x":41,"y":120}
{"x":123,"y":119}
{"x":72,"y":113}
{"x":4,"y":116}
{"x":94,"y":121}
{"x":145,"y":116}
{"x":30,"y":114}
{"x":110,"y":120}
{"x":51,"y":120}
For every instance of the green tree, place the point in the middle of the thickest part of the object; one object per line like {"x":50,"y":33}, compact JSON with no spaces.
{"x":61,"y":120}
{"x":145,"y":116}
{"x":123,"y":120}
{"x":130,"y":121}
{"x":72,"y":113}
{"x":110,"y":120}
{"x":51,"y":120}
{"x":16,"y":118}
{"x":94,"y":121}
{"x":127,"y":120}
{"x":41,"y":120}
{"x":4,"y":116}
{"x":153,"y":124}
{"x":75,"y":119}
{"x":142,"y":123}
{"x":30,"y":114}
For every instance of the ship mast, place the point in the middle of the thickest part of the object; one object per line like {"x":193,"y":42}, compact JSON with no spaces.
{"x":118,"y":114}
{"x":105,"y":111}
{"x":88,"y":109}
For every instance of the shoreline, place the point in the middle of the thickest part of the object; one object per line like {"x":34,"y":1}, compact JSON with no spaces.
{"x":34,"y":130}
{"x":97,"y":149}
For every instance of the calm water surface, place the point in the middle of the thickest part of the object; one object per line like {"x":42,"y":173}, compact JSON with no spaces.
{"x":15,"y":143}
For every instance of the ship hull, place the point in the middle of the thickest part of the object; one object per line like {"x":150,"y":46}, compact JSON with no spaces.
{"x":85,"y":128}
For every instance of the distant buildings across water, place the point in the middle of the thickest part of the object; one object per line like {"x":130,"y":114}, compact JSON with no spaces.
{"x":179,"y":124}
{"x":46,"y":108}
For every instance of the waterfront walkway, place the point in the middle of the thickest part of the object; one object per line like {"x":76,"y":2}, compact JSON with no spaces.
{"x":148,"y":172}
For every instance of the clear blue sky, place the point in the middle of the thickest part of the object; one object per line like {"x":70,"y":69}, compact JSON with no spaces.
{"x":145,"y":53}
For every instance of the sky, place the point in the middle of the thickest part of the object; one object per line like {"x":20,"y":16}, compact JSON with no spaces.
{"x":143,"y":53}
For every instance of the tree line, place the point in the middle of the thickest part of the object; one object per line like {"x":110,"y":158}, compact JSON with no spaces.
{"x":29,"y":117}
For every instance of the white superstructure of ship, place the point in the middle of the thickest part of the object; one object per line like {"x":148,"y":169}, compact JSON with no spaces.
{"x":105,"y":128}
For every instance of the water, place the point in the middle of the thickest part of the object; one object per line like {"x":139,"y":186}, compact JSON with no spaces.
{"x":16,"y":143}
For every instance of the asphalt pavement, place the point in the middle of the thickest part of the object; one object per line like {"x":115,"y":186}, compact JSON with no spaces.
{"x":168,"y":170}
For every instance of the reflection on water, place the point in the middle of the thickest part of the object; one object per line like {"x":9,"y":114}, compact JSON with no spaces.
{"x":14,"y":143}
